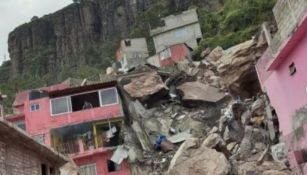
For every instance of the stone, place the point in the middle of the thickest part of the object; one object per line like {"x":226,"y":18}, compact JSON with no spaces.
{"x":206,"y":52}
{"x":251,"y":168}
{"x":231,"y":146}
{"x":216,"y":54}
{"x":200,"y":92}
{"x":214,"y":130}
{"x":198,"y":161}
{"x":214,"y":140}
{"x":279,"y":152}
{"x":258,"y":107}
{"x":145,"y":85}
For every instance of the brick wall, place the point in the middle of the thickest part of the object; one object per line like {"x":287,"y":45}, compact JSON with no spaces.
{"x":17,"y":160}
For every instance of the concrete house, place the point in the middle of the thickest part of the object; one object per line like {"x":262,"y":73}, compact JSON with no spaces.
{"x":283,"y":76}
{"x":131,"y":53}
{"x":177,"y":29}
{"x":22,"y":155}
{"x":77,"y":118}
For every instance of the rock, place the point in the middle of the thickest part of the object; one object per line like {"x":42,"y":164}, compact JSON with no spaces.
{"x":205,"y":52}
{"x":258,"y":107}
{"x":236,"y":68}
{"x":279,"y":152}
{"x":231,"y":146}
{"x":68,"y":42}
{"x":200,"y":92}
{"x":198,"y":161}
{"x":216,"y":54}
{"x":214,"y":140}
{"x":145,"y":85}
{"x":246,"y":144}
{"x":251,"y":168}
{"x":246,"y":116}
{"x":214,"y":130}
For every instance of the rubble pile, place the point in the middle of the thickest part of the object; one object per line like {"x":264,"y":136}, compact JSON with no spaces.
{"x":207,"y":121}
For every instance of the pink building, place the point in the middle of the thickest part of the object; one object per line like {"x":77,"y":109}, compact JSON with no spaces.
{"x":282,"y":72}
{"x":170,"y":56}
{"x":82,"y":120}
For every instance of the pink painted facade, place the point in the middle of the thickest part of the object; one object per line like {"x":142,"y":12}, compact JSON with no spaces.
{"x":174,"y":54}
{"x":49,"y":127}
{"x":287,"y":91}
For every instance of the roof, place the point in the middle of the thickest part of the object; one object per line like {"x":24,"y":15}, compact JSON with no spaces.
{"x":70,"y":85}
{"x":289,"y":44}
{"x":9,"y":132}
{"x":175,"y":21}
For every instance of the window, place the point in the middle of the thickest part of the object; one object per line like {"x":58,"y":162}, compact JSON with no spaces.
{"x":85,"y":101}
{"x":21,"y":125}
{"x":34,"y":107}
{"x":165,"y":54}
{"x":89,"y":169}
{"x":108,"y":96}
{"x":292,"y":69}
{"x":112,"y":166}
{"x":39,"y":138}
{"x":44,"y":169}
{"x":60,"y":105}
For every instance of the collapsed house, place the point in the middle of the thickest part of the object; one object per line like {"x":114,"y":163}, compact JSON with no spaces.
{"x":176,"y":29}
{"x":172,"y":55}
{"x":131,"y":53}
{"x":80,"y":119}
{"x":22,"y":155}
{"x":282,"y":74}
{"x":206,"y":117}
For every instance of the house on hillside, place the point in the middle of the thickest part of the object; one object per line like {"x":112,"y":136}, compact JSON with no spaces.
{"x":131,"y":53}
{"x":283,"y":76}
{"x":22,"y":155}
{"x":78,"y":118}
{"x":181,"y":28}
{"x":170,"y":56}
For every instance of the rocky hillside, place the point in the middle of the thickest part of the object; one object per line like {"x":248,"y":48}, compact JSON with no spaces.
{"x":80,"y":39}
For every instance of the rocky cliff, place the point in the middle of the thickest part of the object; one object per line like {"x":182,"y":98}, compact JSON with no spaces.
{"x":80,"y":34}
{"x":62,"y":37}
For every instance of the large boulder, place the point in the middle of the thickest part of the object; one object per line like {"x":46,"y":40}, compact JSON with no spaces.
{"x":191,"y":159}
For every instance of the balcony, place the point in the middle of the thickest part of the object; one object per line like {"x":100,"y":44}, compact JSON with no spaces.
{"x":288,"y":14}
{"x":87,"y":137}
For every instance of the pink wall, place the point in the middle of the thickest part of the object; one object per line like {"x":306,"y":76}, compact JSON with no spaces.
{"x":179,"y":52}
{"x":288,"y":93}
{"x":101,"y":163}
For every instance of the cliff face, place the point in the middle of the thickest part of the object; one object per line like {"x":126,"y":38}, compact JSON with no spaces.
{"x":62,"y":36}
{"x":71,"y":35}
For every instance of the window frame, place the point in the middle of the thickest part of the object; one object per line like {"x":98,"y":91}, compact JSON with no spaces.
{"x":20,"y":122}
{"x":116,"y":94}
{"x":90,"y":164}
{"x":36,"y":105}
{"x":68,"y":105}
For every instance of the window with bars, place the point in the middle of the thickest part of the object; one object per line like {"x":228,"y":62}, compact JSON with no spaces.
{"x":89,"y":169}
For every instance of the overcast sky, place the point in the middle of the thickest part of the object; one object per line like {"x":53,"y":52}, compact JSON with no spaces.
{"x":16,"y":12}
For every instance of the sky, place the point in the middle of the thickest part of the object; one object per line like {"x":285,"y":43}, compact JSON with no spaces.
{"x":16,"y":12}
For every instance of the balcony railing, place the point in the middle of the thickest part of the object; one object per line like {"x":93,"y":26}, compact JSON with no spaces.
{"x":288,"y":13}
{"x":83,"y":144}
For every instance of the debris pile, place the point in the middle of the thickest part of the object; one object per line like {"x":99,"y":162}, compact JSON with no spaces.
{"x":203,"y":118}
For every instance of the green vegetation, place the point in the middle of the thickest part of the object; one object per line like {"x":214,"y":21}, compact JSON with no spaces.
{"x":238,"y":21}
